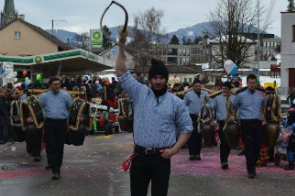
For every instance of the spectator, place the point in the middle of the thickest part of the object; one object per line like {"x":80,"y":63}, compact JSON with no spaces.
{"x":4,"y":114}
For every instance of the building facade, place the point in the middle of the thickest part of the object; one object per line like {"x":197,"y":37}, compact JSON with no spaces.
{"x":21,"y":38}
{"x":288,"y":50}
{"x":112,"y":54}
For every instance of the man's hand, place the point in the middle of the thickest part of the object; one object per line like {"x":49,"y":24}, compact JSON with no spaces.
{"x":207,"y":120}
{"x":30,"y":120}
{"x":168,"y":153}
{"x":231,"y":119}
{"x":120,"y":63}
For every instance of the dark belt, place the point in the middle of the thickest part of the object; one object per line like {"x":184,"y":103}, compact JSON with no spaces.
{"x":250,"y":120}
{"x":147,"y":151}
{"x":55,"y":120}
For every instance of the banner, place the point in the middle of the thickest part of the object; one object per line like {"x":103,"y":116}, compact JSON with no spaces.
{"x":96,"y":38}
{"x":8,"y":72}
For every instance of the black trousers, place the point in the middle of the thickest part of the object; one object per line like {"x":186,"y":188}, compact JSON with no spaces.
{"x":55,"y":132}
{"x":146,"y":168}
{"x":196,"y":139}
{"x":224,"y":147}
{"x":252,"y":137}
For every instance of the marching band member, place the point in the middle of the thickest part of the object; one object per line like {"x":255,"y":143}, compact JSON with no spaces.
{"x":56,"y":104}
{"x":218,"y":104}
{"x":250,"y":103}
{"x":194,"y":100}
{"x":158,"y":115}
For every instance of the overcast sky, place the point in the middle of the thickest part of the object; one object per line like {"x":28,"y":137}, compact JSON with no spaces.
{"x":81,"y":15}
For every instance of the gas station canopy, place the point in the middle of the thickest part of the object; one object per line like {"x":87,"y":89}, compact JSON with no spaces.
{"x":68,"y":62}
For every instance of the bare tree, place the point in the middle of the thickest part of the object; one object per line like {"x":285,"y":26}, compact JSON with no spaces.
{"x":82,"y":41}
{"x":148,"y":34}
{"x":233,"y":27}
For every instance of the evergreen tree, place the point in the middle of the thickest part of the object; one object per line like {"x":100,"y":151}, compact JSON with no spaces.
{"x":189,"y":41}
{"x":291,"y":6}
{"x":183,"y":40}
{"x":197,"y":40}
{"x":174,"y":40}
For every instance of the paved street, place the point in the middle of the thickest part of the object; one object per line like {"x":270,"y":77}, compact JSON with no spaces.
{"x":95,"y":169}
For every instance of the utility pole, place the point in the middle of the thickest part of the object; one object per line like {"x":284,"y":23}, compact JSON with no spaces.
{"x":258,"y":40}
{"x":53,"y":23}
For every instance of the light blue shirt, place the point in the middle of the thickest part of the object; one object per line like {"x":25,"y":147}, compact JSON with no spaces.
{"x":156,"y":120}
{"x":56,"y":106}
{"x":194,"y":102}
{"x":250,"y":105}
{"x":218,"y":104}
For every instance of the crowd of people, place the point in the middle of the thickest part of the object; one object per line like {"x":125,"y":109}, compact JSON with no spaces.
{"x":161,"y":112}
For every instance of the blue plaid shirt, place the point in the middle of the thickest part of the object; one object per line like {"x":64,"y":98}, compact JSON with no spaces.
{"x":156,"y":120}
{"x":56,"y":106}
{"x":218,"y":104}
{"x":194,"y":102}
{"x":250,"y":105}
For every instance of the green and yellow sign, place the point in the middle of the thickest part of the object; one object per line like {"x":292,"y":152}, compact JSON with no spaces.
{"x":38,"y":59}
{"x":96,"y":40}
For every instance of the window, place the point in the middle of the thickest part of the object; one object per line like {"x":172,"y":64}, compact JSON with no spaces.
{"x":293,"y":37}
{"x":190,"y":80}
{"x":17,"y":35}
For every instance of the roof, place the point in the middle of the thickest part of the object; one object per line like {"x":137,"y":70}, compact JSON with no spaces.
{"x":45,"y":34}
{"x":72,"y":61}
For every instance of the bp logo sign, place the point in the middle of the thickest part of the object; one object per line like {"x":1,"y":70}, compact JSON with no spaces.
{"x":96,"y":35}
{"x":38,"y":59}
{"x":96,"y":38}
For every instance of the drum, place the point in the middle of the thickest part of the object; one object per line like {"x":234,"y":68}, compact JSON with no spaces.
{"x":34,"y":134}
{"x":208,"y":132}
{"x":232,"y":133}
{"x":79,"y":122}
{"x":77,"y":137}
{"x":20,"y":135}
{"x":270,"y":134}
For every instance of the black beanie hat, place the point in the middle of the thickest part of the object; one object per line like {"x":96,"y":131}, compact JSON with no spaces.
{"x":270,"y":89}
{"x":227,"y":84}
{"x":158,"y":69}
{"x":197,"y":80}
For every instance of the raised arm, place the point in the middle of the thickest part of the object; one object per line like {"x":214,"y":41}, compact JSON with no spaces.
{"x":120,"y":63}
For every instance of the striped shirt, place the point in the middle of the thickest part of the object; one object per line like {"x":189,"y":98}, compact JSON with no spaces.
{"x":194,"y":102}
{"x":156,"y":120}
{"x":218,"y":104}
{"x":56,"y":106}
{"x":249,"y":105}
